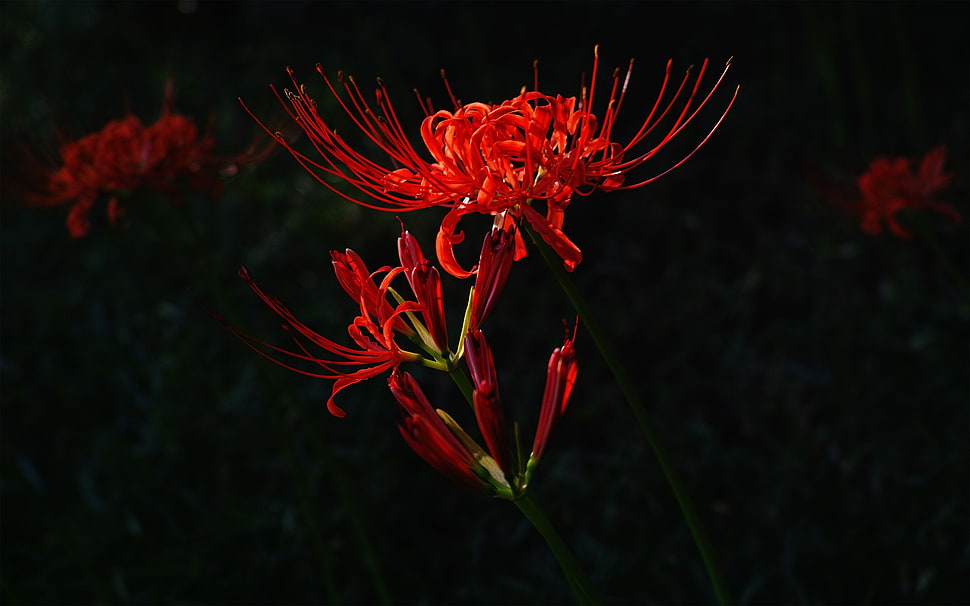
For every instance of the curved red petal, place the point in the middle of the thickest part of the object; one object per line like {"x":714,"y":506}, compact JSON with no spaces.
{"x":554,"y":237}
{"x":445,"y":242}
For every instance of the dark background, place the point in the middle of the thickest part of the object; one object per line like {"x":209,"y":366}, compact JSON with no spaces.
{"x":810,"y":380}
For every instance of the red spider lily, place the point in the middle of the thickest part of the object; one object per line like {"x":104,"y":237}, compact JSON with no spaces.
{"x":432,"y":434}
{"x":485,"y":397}
{"x":560,"y":378}
{"x":426,"y":284}
{"x":170,"y":157}
{"x":493,"y":159}
{"x":385,"y":314}
{"x":494,"y":263}
{"x":374,"y":331}
{"x":438,"y":439}
{"x":890,"y":185}
{"x":374,"y":336}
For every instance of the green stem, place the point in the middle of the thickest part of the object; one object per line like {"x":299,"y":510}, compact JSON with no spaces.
{"x":577,"y":579}
{"x":626,"y":385}
{"x":463,"y":383}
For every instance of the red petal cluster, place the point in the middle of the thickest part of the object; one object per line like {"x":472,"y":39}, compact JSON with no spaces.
{"x":385,"y":315}
{"x":428,"y":435}
{"x":451,"y":451}
{"x":493,"y":159}
{"x":374,"y":331}
{"x":521,"y":160}
{"x":373,"y":334}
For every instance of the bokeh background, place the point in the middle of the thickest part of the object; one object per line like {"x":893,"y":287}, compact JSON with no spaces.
{"x":810,"y":381}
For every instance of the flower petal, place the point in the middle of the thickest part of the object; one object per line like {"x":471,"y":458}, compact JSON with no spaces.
{"x":446,"y":241}
{"x":560,"y":379}
{"x":486,"y":401}
{"x":554,"y":237}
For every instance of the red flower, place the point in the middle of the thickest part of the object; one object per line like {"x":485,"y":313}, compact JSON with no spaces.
{"x":494,"y":263}
{"x":375,"y":330}
{"x":434,"y":436}
{"x":426,"y":285}
{"x":492,"y":159}
{"x":485,"y":398}
{"x":385,"y":315}
{"x":439,"y":439}
{"x":169,"y":156}
{"x":560,"y":378}
{"x":890,"y":185}
{"x":376,"y":350}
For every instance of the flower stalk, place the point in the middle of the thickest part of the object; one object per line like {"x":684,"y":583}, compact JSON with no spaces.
{"x":578,"y":581}
{"x":634,"y":400}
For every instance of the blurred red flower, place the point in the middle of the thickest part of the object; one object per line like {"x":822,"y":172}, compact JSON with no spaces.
{"x":170,"y":156}
{"x":890,"y":185}
{"x":492,"y":159}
